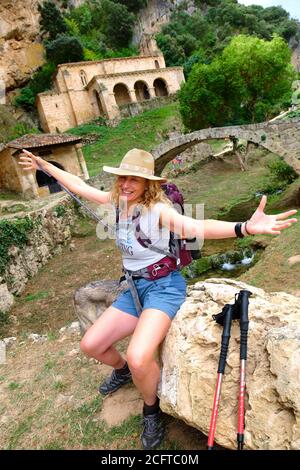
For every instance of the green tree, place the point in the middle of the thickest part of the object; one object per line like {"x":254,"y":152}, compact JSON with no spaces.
{"x":132,"y":5}
{"x":117,"y":24}
{"x":64,"y":49}
{"x":25,"y":99}
{"x":197,"y":57}
{"x":173,"y":52}
{"x":51,"y":21}
{"x":80,"y":18}
{"x":249,"y":82}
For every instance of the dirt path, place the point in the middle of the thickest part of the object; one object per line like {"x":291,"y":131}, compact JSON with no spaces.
{"x":49,"y":400}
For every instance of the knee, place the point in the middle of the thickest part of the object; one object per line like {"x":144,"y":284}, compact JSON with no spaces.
{"x":137,"y":363}
{"x":89,"y":347}
{"x":86,"y":346}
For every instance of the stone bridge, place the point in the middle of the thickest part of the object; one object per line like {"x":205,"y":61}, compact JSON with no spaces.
{"x":280,"y":137}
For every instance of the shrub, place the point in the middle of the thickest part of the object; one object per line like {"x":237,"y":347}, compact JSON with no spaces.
{"x":51,"y":22}
{"x":64,"y":49}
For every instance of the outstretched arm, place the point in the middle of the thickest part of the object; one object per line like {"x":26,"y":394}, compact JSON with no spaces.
{"x":215,"y":229}
{"x":30,"y":162}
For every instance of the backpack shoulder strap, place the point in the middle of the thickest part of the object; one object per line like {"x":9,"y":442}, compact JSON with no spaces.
{"x":142,"y":237}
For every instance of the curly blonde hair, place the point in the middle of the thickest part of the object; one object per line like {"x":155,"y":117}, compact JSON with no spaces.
{"x":153,"y":193}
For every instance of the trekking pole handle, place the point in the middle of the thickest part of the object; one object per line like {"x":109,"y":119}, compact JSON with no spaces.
{"x":225,"y":338}
{"x":243,"y":299}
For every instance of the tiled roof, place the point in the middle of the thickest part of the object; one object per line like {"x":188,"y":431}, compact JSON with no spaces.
{"x":42,"y":140}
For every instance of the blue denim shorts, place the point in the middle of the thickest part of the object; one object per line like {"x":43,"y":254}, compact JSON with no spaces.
{"x":166,"y":294}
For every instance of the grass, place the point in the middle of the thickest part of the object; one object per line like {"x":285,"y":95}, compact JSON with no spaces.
{"x":37,"y":296}
{"x":9,"y":196}
{"x":144,"y":131}
{"x":222,"y":187}
{"x":275,"y":260}
{"x":13,"y":386}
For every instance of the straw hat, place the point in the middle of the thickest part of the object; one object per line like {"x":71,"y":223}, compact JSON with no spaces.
{"x":136,"y":162}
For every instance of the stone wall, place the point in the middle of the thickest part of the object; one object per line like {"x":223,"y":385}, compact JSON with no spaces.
{"x":133,"y":109}
{"x":55,"y":111}
{"x":69,"y":76}
{"x":52,"y":230}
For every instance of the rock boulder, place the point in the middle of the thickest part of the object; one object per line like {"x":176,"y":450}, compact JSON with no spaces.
{"x":190,"y":358}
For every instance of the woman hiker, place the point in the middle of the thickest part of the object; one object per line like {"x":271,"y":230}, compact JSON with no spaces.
{"x":136,"y":186}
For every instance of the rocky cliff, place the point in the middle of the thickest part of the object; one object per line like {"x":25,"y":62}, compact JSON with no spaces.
{"x":20,"y":46}
{"x":155,"y":15}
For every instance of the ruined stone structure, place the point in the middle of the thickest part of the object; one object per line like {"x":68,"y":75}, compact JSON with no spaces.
{"x":64,"y":151}
{"x":85,"y":90}
{"x":280,"y":137}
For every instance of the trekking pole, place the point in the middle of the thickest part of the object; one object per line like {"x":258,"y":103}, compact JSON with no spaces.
{"x":243,"y":303}
{"x":225,"y":319}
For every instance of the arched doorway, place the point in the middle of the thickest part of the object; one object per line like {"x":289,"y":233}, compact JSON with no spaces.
{"x":156,"y":64}
{"x":141,"y":91}
{"x":160,"y":87}
{"x":121,"y":94}
{"x":44,"y":180}
{"x":98,"y":105}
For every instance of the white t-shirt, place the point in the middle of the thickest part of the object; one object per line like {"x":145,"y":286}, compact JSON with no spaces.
{"x":134,"y":255}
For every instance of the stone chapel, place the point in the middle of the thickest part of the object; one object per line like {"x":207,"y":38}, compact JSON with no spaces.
{"x":83,"y":91}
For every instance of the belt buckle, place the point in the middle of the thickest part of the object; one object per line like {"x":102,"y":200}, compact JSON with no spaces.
{"x":156,"y":267}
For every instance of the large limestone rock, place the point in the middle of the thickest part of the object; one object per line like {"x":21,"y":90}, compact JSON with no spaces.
{"x":91,"y":300}
{"x":190,"y":357}
{"x":21,"y":50}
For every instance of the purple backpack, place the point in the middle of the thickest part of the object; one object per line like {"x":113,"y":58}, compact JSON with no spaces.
{"x":177,"y":246}
{"x":173,"y":193}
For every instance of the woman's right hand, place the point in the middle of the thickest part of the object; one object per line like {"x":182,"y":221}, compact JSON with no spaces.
{"x":29,"y":161}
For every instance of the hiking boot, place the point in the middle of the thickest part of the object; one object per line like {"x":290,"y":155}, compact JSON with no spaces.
{"x":153,"y":432}
{"x":114,"y":382}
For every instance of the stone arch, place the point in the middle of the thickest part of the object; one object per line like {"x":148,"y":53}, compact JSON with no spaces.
{"x":141,"y":91}
{"x":156,"y":63}
{"x":281,"y":137}
{"x":160,"y":87}
{"x":122,"y":95}
{"x":44,"y":180}
{"x":83,"y":77}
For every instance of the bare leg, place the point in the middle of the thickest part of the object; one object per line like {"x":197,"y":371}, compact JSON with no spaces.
{"x":112,"y":326}
{"x":151,"y":329}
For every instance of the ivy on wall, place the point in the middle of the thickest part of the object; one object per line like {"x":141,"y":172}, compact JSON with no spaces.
{"x":13,"y":233}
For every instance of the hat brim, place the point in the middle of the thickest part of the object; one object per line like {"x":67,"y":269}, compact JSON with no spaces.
{"x":122,"y":172}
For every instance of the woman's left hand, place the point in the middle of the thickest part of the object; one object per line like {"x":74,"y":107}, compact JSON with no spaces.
{"x":270,"y":224}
